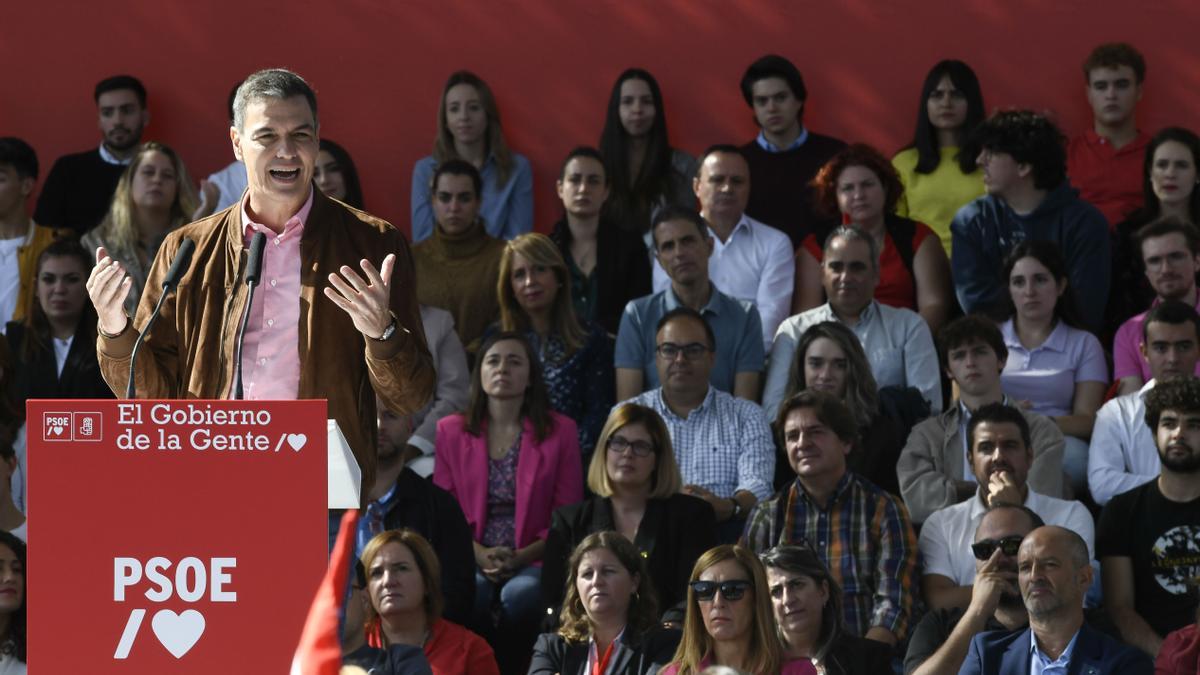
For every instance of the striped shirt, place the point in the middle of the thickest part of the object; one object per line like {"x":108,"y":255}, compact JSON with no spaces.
{"x":865,"y":538}
{"x":723,"y":446}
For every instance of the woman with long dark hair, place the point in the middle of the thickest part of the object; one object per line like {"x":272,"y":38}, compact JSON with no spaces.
{"x":468,"y":129}
{"x":644,"y":170}
{"x":336,"y":175}
{"x":937,"y":168}
{"x":12,"y":605}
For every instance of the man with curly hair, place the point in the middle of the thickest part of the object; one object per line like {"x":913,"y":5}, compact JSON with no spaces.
{"x":1148,"y":541}
{"x":1028,"y":196}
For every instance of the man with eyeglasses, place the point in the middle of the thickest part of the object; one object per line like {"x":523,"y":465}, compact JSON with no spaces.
{"x":1000,"y":454}
{"x":861,"y":532}
{"x":941,"y":639}
{"x":682,"y":247}
{"x":722,"y":443}
{"x":1123,"y":454}
{"x":1170,"y":254}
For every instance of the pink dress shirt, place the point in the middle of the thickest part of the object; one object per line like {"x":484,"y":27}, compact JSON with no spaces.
{"x":270,"y":352}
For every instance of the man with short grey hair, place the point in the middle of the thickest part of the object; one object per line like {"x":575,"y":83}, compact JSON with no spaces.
{"x":897,"y":341}
{"x":363,"y":339}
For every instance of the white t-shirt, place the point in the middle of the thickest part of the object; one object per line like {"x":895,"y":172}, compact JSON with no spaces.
{"x":10,"y":278}
{"x":948,"y":533}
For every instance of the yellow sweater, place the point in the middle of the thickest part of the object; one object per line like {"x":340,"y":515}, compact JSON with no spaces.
{"x":934,"y":198}
{"x":36,"y":241}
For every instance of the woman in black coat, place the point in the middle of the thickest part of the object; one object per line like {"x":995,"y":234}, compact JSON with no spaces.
{"x":636,"y":483}
{"x":609,"y":611}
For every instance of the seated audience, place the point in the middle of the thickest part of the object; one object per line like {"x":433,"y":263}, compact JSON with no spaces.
{"x":336,"y":176}
{"x":400,"y":498}
{"x":1147,"y":536}
{"x":938,"y":168}
{"x":636,"y":484}
{"x":808,"y":613}
{"x":1054,"y":368}
{"x":1170,"y":256}
{"x":457,"y":268}
{"x":510,"y":461}
{"x":861,"y":186}
{"x":1180,"y":653}
{"x":468,"y":130}
{"x":863,"y":534}
{"x":829,"y":358}
{"x":12,"y":519}
{"x":682,"y":246}
{"x":645,"y":172}
{"x":897,"y":342}
{"x":1104,"y":162}
{"x":942,"y":637}
{"x":534,"y":295}
{"x":225,"y":187}
{"x":21,"y":240}
{"x":1054,"y":573}
{"x":154,"y":197}
{"x":609,"y":622}
{"x":1029,"y":197}
{"x":12,"y":605}
{"x":609,"y":265}
{"x":403,"y":606}
{"x":750,"y":261}
{"x":730,"y":621}
{"x":722,"y":444}
{"x":1168,"y":192}
{"x":80,"y":186}
{"x":934,"y":468}
{"x":1001,"y":454}
{"x":1123,"y":454}
{"x":417,"y":440}
{"x":54,"y":348}
{"x":785,"y":155}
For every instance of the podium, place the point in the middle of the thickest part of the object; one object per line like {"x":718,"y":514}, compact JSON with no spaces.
{"x":182,"y":536}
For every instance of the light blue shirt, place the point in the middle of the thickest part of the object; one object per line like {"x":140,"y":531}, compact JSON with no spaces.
{"x":507,"y":210}
{"x":771,"y":147}
{"x":1040,"y":664}
{"x":1047,"y":374}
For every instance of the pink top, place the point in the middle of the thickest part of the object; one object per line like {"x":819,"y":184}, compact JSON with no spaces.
{"x":793,"y":667}
{"x":270,"y":353}
{"x":1127,"y":356}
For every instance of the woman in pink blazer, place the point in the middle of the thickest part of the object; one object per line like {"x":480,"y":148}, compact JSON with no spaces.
{"x":510,"y":461}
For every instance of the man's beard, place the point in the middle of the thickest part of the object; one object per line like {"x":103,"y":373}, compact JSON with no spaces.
{"x":1010,"y":600}
{"x":132,"y":138}
{"x":1189,"y":463}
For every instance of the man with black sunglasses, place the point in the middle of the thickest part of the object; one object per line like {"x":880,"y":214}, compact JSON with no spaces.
{"x":1000,"y":455}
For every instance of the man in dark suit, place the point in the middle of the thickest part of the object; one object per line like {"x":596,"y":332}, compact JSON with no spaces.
{"x":1054,"y":573}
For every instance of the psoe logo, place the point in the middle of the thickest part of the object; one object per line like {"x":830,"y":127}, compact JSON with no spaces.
{"x":57,"y":426}
{"x":87,"y":426}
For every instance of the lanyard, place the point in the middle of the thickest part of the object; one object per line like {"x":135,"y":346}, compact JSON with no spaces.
{"x":601,"y":666}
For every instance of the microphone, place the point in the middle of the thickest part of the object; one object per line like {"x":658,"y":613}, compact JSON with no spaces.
{"x":183,"y":258}
{"x":253,"y":274}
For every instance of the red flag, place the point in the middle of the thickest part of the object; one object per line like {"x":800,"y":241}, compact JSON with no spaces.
{"x":320,"y":648}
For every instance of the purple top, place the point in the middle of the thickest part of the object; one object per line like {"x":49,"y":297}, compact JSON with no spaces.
{"x":500,"y":529}
{"x":1127,"y":357}
{"x":1047,"y":374}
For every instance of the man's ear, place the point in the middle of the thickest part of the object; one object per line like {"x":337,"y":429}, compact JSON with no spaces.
{"x":235,"y":139}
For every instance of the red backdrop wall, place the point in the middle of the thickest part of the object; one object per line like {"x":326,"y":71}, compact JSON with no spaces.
{"x":379,"y":65}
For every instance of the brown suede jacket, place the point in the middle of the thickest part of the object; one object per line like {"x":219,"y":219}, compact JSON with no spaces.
{"x":189,"y":351}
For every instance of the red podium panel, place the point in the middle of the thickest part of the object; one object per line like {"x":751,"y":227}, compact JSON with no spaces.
{"x":177,"y":536}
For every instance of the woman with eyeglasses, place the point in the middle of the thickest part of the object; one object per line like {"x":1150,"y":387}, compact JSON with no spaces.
{"x":610,"y":618}
{"x":730,"y":620}
{"x":808,"y":613}
{"x":636,"y":484}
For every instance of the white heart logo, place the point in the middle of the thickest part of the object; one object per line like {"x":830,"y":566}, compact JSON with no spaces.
{"x":57,"y":431}
{"x":297,"y":441}
{"x":178,"y":632}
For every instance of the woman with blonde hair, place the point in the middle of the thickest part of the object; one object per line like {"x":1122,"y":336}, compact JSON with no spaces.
{"x":468,"y":128}
{"x":730,"y":620}
{"x":153,"y":197}
{"x":635,"y":482}
{"x":403,"y":606}
{"x":610,"y":617}
{"x":534,"y":294}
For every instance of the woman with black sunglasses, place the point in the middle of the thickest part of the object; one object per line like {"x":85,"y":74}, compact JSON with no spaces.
{"x":729,"y":619}
{"x":635,"y":483}
{"x":808,"y":612}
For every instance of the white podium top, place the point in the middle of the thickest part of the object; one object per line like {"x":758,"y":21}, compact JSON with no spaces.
{"x":345,"y":477}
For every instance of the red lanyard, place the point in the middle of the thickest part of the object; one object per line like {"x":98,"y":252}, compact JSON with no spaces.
{"x":602,"y":665}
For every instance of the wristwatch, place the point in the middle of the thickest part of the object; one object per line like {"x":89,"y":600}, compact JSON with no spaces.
{"x":387,"y":332}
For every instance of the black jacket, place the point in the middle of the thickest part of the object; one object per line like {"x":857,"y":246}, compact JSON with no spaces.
{"x":634,"y":655}
{"x":622,"y":270}
{"x":672,"y":535}
{"x":39,"y":378}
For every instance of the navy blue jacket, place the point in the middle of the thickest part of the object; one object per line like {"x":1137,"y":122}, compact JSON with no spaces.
{"x":1007,"y":653}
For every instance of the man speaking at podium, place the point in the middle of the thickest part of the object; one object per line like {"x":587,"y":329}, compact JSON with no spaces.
{"x":363,"y":338}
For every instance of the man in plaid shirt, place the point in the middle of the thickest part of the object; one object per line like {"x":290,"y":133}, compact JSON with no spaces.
{"x":861,"y":532}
